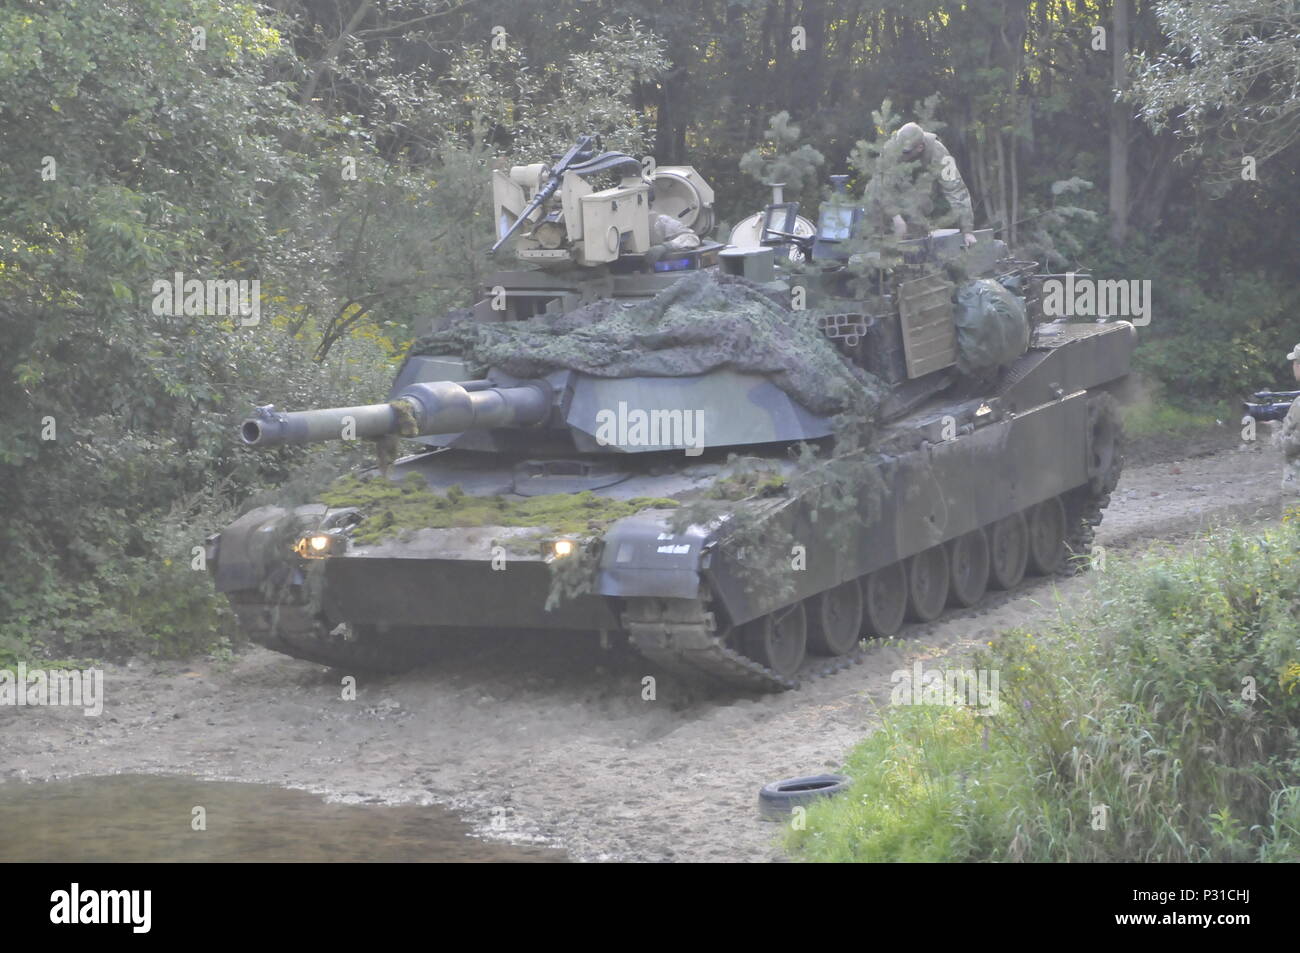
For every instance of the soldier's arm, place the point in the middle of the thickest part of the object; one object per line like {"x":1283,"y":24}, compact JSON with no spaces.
{"x":944,"y":168}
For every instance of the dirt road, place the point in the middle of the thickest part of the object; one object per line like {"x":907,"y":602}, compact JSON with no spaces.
{"x":535,"y":744}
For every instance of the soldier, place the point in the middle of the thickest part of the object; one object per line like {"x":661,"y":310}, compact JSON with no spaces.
{"x":668,"y":235}
{"x":1290,"y":438}
{"x":910,"y":165}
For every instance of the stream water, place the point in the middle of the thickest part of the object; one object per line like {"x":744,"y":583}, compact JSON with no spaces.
{"x":126,"y":818}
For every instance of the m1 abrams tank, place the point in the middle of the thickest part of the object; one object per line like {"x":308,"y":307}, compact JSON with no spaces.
{"x":742,"y":471}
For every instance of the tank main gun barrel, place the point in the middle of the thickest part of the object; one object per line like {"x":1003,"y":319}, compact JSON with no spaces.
{"x":436,"y":407}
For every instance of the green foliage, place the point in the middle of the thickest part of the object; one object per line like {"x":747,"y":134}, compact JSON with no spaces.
{"x":413,"y":233}
{"x":1227,"y":80}
{"x":924,"y":785}
{"x":1161,"y":417}
{"x":392,"y":507}
{"x":748,"y":477}
{"x":782,"y":157}
{"x":1173,"y":700}
{"x":572,"y":576}
{"x":116,"y":430}
{"x":1053,"y":236}
{"x":1222,"y":337}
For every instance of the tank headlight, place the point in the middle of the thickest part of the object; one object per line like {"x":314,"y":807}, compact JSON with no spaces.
{"x":559,"y":548}
{"x":549,"y":234}
{"x":318,"y":545}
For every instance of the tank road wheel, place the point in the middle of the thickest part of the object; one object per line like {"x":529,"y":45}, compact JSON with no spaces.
{"x":835,"y":619}
{"x":1046,"y":537}
{"x":884,"y":600}
{"x":1008,"y":551}
{"x":968,"y":557}
{"x":927,"y":584}
{"x":778,"y":640}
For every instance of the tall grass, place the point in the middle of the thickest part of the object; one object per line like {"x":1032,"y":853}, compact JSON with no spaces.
{"x":1160,"y":722}
{"x":1165,"y":416}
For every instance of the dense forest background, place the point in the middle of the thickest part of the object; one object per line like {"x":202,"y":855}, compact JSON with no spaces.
{"x":338,"y":151}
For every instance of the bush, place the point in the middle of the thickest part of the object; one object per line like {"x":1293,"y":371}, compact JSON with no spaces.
{"x":108,"y":569}
{"x":1213,"y":335}
{"x":1173,"y":700}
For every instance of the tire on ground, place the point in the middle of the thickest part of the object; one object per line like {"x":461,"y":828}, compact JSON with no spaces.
{"x":777,"y":799}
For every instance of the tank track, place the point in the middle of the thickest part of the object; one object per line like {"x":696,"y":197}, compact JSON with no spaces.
{"x":1083,"y":513}
{"x":681,"y":636}
{"x":1084,"y":506}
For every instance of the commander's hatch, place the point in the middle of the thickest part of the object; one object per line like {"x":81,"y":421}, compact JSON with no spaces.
{"x":926,"y":321}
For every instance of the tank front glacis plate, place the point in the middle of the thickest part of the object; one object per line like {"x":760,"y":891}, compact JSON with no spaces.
{"x":456,"y":593}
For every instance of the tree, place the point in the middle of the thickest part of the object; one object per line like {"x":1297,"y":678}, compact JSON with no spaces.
{"x":1119,"y":125}
{"x":1228,"y":81}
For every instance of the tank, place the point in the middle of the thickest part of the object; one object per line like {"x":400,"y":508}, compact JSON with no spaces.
{"x":743,"y":460}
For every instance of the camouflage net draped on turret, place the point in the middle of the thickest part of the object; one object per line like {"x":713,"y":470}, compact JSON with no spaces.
{"x":699,"y":324}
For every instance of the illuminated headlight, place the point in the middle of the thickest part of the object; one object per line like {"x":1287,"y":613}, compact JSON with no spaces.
{"x":559,"y":548}
{"x":319,"y":545}
{"x":549,"y":234}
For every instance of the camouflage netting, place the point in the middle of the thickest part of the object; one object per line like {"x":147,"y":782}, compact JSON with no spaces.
{"x":701,"y":323}
{"x":992,"y":328}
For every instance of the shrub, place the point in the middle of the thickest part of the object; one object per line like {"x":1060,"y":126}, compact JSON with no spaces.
{"x":1172,"y":699}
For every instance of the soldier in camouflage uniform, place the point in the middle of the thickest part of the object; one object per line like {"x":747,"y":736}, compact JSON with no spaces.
{"x":1290,"y":437}
{"x":901,"y":195}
